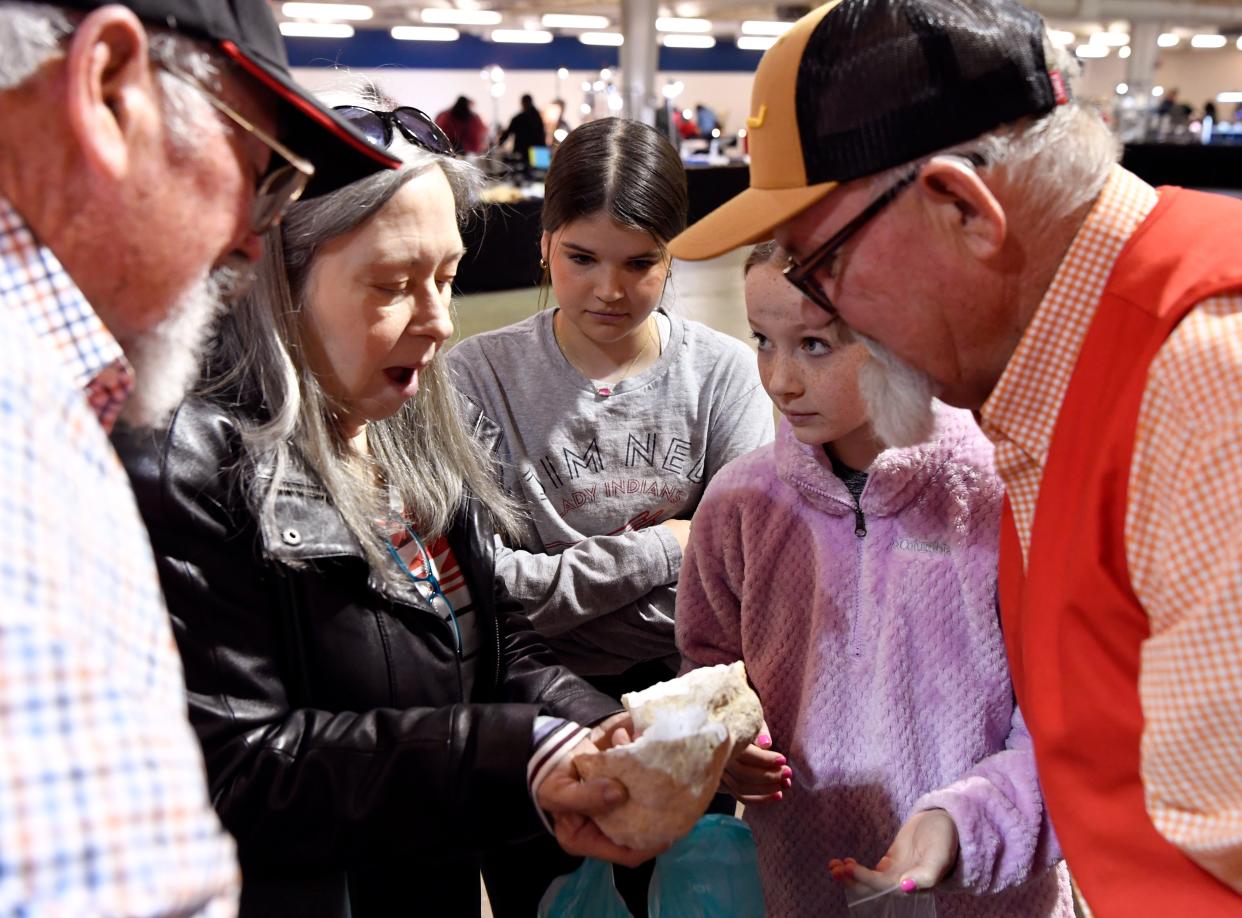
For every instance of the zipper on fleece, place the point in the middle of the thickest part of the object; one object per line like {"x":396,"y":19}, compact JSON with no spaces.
{"x":860,"y":521}
{"x":860,"y":530}
{"x":855,"y":643}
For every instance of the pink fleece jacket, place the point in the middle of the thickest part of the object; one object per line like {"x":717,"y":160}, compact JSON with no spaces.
{"x":880,"y":665}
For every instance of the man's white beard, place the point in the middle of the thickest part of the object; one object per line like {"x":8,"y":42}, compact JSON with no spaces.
{"x":166,"y":359}
{"x":898,"y":397}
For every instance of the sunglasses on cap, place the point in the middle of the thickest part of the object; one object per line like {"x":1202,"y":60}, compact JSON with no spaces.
{"x":414,"y":125}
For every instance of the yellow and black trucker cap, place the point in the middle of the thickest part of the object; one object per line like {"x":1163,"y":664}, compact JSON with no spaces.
{"x":860,"y":86}
{"x":245,"y":31}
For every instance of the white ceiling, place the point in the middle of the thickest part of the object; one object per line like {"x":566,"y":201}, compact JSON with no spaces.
{"x":1079,"y":15}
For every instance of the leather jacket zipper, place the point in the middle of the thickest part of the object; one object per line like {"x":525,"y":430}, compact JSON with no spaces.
{"x":496,"y":632}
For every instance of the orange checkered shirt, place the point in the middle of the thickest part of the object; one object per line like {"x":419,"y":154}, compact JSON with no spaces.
{"x":1183,"y":522}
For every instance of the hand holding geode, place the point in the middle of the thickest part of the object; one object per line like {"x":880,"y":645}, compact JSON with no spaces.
{"x":686,"y":729}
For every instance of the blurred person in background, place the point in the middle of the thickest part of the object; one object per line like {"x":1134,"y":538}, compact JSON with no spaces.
{"x":555,"y":126}
{"x":463,"y":127}
{"x":527,"y":130}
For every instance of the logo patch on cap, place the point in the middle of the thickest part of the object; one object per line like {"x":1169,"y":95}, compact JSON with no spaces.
{"x":1058,"y":87}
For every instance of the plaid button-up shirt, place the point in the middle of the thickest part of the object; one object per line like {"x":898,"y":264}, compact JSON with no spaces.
{"x":103,"y":802}
{"x":1183,"y":522}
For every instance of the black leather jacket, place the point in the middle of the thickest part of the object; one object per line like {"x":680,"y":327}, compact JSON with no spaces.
{"x":338,"y":746}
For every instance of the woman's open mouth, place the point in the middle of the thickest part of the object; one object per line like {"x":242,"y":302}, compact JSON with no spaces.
{"x":403,"y":379}
{"x":400,"y":376}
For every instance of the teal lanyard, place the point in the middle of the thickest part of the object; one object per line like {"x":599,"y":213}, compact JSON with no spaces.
{"x":430,"y":580}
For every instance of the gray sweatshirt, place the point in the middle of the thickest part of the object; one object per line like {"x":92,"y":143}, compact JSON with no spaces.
{"x":598,"y":474}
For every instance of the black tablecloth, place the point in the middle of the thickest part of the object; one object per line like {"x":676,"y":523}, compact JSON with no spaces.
{"x":502,"y":249}
{"x":1188,"y":165}
{"x":502,"y":244}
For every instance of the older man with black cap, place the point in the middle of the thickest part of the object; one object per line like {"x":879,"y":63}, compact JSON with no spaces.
{"x":144,"y":148}
{"x":938,"y":187}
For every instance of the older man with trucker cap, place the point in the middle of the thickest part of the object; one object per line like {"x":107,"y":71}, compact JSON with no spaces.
{"x":936,"y":184}
{"x":144,"y":148}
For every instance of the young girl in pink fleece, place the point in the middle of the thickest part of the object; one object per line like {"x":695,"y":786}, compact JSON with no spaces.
{"x":858,"y":584}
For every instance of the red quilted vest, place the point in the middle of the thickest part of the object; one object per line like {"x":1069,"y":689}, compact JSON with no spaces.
{"x":1073,"y":626}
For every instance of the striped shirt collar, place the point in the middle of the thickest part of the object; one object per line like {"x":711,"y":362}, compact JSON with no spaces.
{"x":35,"y":287}
{"x":1023,"y":407}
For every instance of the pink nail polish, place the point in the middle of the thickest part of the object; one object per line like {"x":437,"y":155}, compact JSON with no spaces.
{"x":765,"y":741}
{"x":778,"y":796}
{"x":789,"y":782}
{"x":781,"y":760}
{"x":786,"y":772}
{"x":908,"y":885}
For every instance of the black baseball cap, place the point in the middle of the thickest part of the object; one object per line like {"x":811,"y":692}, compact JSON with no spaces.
{"x":860,"y":86}
{"x":245,"y":31}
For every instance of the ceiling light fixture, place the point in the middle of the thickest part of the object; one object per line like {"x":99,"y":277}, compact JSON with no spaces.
{"x":333,"y":11}
{"x":756,"y":42}
{"x":1208,"y":41}
{"x":567,"y":21}
{"x":610,"y":39}
{"x":687,"y":41}
{"x":1110,"y":39}
{"x":765,"y":27}
{"x":675,"y":24}
{"x":521,"y":36}
{"x":460,"y":17}
{"x":424,"y":33}
{"x":316,"y":29}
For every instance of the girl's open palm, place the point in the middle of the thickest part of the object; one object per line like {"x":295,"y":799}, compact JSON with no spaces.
{"x":922,"y":854}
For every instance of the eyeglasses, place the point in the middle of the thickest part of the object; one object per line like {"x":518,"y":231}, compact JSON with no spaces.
{"x":803,"y":274}
{"x":414,"y":125}
{"x":282,"y":184}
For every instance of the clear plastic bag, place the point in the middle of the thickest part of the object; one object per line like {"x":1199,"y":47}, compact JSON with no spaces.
{"x":891,"y":903}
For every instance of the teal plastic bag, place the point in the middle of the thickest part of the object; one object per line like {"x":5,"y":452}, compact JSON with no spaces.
{"x":712,"y":872}
{"x":588,"y":892}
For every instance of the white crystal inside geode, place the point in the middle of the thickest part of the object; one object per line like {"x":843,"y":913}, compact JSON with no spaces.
{"x":721,"y":692}
{"x":687,"y":728}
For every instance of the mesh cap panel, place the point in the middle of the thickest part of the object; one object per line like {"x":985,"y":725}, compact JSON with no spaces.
{"x":884,"y":82}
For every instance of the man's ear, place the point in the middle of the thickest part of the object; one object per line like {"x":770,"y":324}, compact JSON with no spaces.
{"x":109,"y":88}
{"x":961,"y":205}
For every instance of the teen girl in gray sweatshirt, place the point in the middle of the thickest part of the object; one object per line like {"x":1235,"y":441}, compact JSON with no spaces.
{"x":614,"y":415}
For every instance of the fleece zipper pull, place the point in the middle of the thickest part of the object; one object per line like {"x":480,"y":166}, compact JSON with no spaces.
{"x":860,"y":521}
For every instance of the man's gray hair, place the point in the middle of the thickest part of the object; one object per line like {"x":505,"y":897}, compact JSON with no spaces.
{"x":423,"y":454}
{"x":32,"y":34}
{"x":1048,"y":167}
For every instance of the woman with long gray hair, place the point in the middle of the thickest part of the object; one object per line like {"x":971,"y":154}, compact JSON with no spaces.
{"x":323,"y":513}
